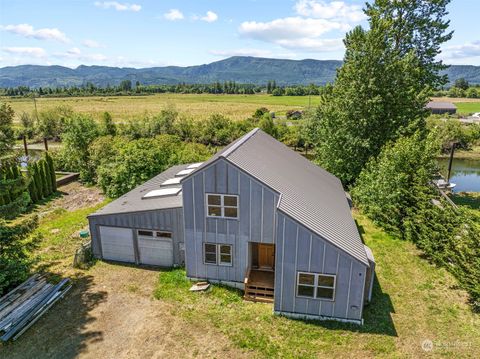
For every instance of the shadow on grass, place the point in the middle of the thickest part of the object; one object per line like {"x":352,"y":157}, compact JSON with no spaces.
{"x":31,"y":208}
{"x":62,"y":332}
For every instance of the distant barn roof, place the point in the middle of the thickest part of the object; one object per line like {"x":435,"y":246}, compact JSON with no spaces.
{"x":309,"y":194}
{"x":441,"y":105}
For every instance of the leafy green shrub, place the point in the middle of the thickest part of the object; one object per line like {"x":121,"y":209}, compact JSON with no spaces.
{"x":15,"y":260}
{"x":123,"y":164}
{"x":80,"y":132}
{"x":394,"y":191}
{"x":51,"y":122}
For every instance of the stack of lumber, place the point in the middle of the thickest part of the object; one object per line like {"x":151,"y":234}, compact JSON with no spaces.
{"x":24,"y":305}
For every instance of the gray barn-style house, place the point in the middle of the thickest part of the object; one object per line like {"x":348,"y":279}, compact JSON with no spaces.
{"x":256,"y":216}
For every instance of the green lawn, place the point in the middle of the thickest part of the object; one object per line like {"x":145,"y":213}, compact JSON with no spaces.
{"x":413,"y":301}
{"x":467,"y":107}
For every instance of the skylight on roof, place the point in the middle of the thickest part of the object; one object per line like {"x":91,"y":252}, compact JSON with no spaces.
{"x":185,"y":172}
{"x":163,"y":192}
{"x":195,"y":165}
{"x":170,"y":181}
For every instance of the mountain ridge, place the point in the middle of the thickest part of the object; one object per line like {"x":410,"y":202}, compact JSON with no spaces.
{"x":242,"y":69}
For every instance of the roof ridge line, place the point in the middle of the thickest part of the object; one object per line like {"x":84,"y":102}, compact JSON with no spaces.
{"x":237,"y":145}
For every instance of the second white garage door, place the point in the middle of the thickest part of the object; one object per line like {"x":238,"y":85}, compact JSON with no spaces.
{"x":155,"y":248}
{"x":117,"y":244}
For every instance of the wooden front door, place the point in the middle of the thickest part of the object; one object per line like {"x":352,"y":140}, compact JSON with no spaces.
{"x":266,"y":256}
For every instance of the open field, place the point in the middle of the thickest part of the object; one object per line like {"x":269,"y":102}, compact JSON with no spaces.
{"x":464,"y":105}
{"x":120,"y":311}
{"x":199,"y":106}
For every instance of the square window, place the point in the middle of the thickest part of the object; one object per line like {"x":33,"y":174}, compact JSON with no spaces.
{"x":305,"y":291}
{"x":304,"y":278}
{"x":210,"y":248}
{"x":214,"y":211}
{"x":230,"y":212}
{"x":325,"y":293}
{"x":326,"y":281}
{"x":230,"y":201}
{"x":225,"y":259}
{"x":214,"y":200}
{"x":211,"y":258}
{"x":225,"y":249}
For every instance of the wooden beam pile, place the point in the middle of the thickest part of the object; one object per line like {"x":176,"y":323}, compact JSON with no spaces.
{"x":24,"y":305}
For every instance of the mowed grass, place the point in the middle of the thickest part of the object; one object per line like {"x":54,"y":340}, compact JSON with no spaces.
{"x":199,"y":106}
{"x":413,"y":301}
{"x":464,"y":105}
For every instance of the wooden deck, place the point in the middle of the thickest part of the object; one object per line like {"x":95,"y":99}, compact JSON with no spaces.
{"x":259,"y":286}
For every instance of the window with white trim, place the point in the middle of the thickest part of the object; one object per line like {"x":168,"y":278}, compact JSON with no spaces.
{"x":219,"y":254}
{"x":222,"y":205}
{"x":317,"y":286}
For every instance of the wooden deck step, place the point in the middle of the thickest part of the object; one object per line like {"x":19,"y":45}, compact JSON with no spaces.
{"x":259,"y":294}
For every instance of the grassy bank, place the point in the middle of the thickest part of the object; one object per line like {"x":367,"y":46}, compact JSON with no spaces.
{"x":413,"y":301}
{"x":473,"y":154}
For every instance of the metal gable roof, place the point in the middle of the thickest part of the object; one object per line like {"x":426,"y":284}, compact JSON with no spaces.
{"x":309,"y":194}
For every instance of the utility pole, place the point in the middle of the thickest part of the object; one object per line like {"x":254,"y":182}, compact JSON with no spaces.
{"x":450,"y":161}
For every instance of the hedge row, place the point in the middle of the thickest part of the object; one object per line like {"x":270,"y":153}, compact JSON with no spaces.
{"x":42,"y":178}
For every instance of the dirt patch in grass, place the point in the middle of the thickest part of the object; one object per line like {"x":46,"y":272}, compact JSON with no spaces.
{"x":102,"y":317}
{"x":75,"y":196}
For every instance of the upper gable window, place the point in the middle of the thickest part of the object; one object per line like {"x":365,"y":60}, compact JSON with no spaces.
{"x":222,"y":205}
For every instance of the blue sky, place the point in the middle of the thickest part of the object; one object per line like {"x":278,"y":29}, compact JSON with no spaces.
{"x":144,"y":33}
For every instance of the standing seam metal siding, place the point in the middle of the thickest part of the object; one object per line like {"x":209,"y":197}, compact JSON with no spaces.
{"x":256,"y":223}
{"x":298,"y":249}
{"x":170,"y":220}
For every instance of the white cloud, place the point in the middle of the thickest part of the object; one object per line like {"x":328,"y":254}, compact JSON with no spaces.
{"x":469,"y":49}
{"x":464,"y":54}
{"x":173,"y":15}
{"x":253,"y":52}
{"x":118,"y":6}
{"x":37,"y":52}
{"x":209,"y":17}
{"x":92,"y":44}
{"x":27,"y":30}
{"x":334,"y":10}
{"x":242,"y":52}
{"x":76,"y":54}
{"x":295,"y":33}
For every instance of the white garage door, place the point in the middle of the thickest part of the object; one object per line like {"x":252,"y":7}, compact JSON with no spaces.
{"x":155,"y":248}
{"x":117,"y":244}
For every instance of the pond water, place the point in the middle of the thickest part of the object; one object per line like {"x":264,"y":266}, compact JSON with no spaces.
{"x":465,"y":174}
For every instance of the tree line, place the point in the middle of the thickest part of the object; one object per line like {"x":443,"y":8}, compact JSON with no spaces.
{"x":126,"y":87}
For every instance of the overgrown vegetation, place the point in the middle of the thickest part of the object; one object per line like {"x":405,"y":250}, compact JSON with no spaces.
{"x":396,"y":192}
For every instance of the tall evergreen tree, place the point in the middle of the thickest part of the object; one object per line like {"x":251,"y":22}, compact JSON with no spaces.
{"x":37,"y":177}
{"x":13,"y":190}
{"x":51,"y":167}
{"x":7,"y":137}
{"x":43,"y":178}
{"x":382,"y":88}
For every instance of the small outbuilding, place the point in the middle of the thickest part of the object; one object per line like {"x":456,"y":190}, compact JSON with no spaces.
{"x":441,"y":108}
